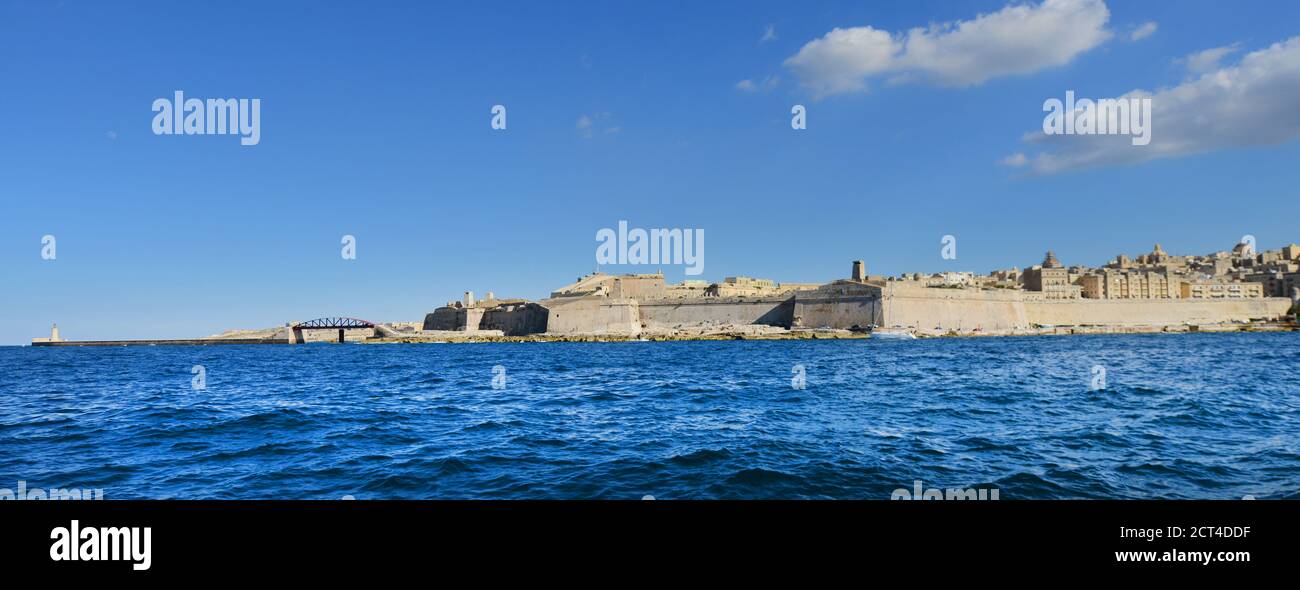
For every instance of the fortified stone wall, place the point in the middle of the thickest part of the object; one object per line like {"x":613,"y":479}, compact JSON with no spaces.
{"x":444,"y":319}
{"x":849,"y":304}
{"x":932,"y":310}
{"x":592,"y":315}
{"x":516,"y":320}
{"x":1148,"y":313}
{"x":842,"y":304}
{"x":673,"y":313}
{"x":454,"y":318}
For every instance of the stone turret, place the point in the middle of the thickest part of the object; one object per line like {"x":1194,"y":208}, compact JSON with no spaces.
{"x":859,"y":271}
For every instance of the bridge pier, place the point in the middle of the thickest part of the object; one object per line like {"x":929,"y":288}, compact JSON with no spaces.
{"x":340,"y":335}
{"x":291,"y":334}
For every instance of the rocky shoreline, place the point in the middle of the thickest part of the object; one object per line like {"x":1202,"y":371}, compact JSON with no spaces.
{"x":771,"y":333}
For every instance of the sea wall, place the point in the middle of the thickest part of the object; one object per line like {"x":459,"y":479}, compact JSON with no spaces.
{"x":674,"y":313}
{"x":838,"y":305}
{"x":967,"y":311}
{"x":932,"y":310}
{"x":454,"y":318}
{"x":592,"y":315}
{"x":852,"y":304}
{"x":516,"y":319}
{"x":1088,"y":312}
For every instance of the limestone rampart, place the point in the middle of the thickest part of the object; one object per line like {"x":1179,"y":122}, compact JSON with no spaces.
{"x":840,"y":304}
{"x":592,"y":315}
{"x":675,"y":313}
{"x":931,"y":310}
{"x":1112,"y":312}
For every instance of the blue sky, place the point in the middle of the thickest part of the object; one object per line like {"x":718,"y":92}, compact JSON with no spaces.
{"x":375,"y":122}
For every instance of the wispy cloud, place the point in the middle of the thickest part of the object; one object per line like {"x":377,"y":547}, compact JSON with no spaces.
{"x":1143,"y":31}
{"x":769,"y":34}
{"x":1207,"y":60}
{"x":1019,"y":39}
{"x":1250,"y":104}
{"x":767,"y":84}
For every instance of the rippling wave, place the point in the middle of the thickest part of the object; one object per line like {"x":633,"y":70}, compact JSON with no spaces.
{"x":1183,"y":416}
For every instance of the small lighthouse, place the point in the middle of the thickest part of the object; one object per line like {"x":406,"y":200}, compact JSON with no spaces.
{"x":54,"y":336}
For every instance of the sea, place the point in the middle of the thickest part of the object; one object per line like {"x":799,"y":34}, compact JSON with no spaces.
{"x":1105,"y":416}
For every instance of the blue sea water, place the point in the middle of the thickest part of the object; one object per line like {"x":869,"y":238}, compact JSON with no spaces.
{"x":1182,"y":416}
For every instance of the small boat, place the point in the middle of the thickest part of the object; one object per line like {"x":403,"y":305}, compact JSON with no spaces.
{"x":893,"y":335}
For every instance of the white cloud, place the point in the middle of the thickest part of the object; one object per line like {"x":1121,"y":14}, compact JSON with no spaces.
{"x":766,"y":84}
{"x":1208,"y":60}
{"x":769,"y":34}
{"x":1146,"y":30}
{"x":1019,"y":39}
{"x":1017,"y":159}
{"x":1251,"y":104}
